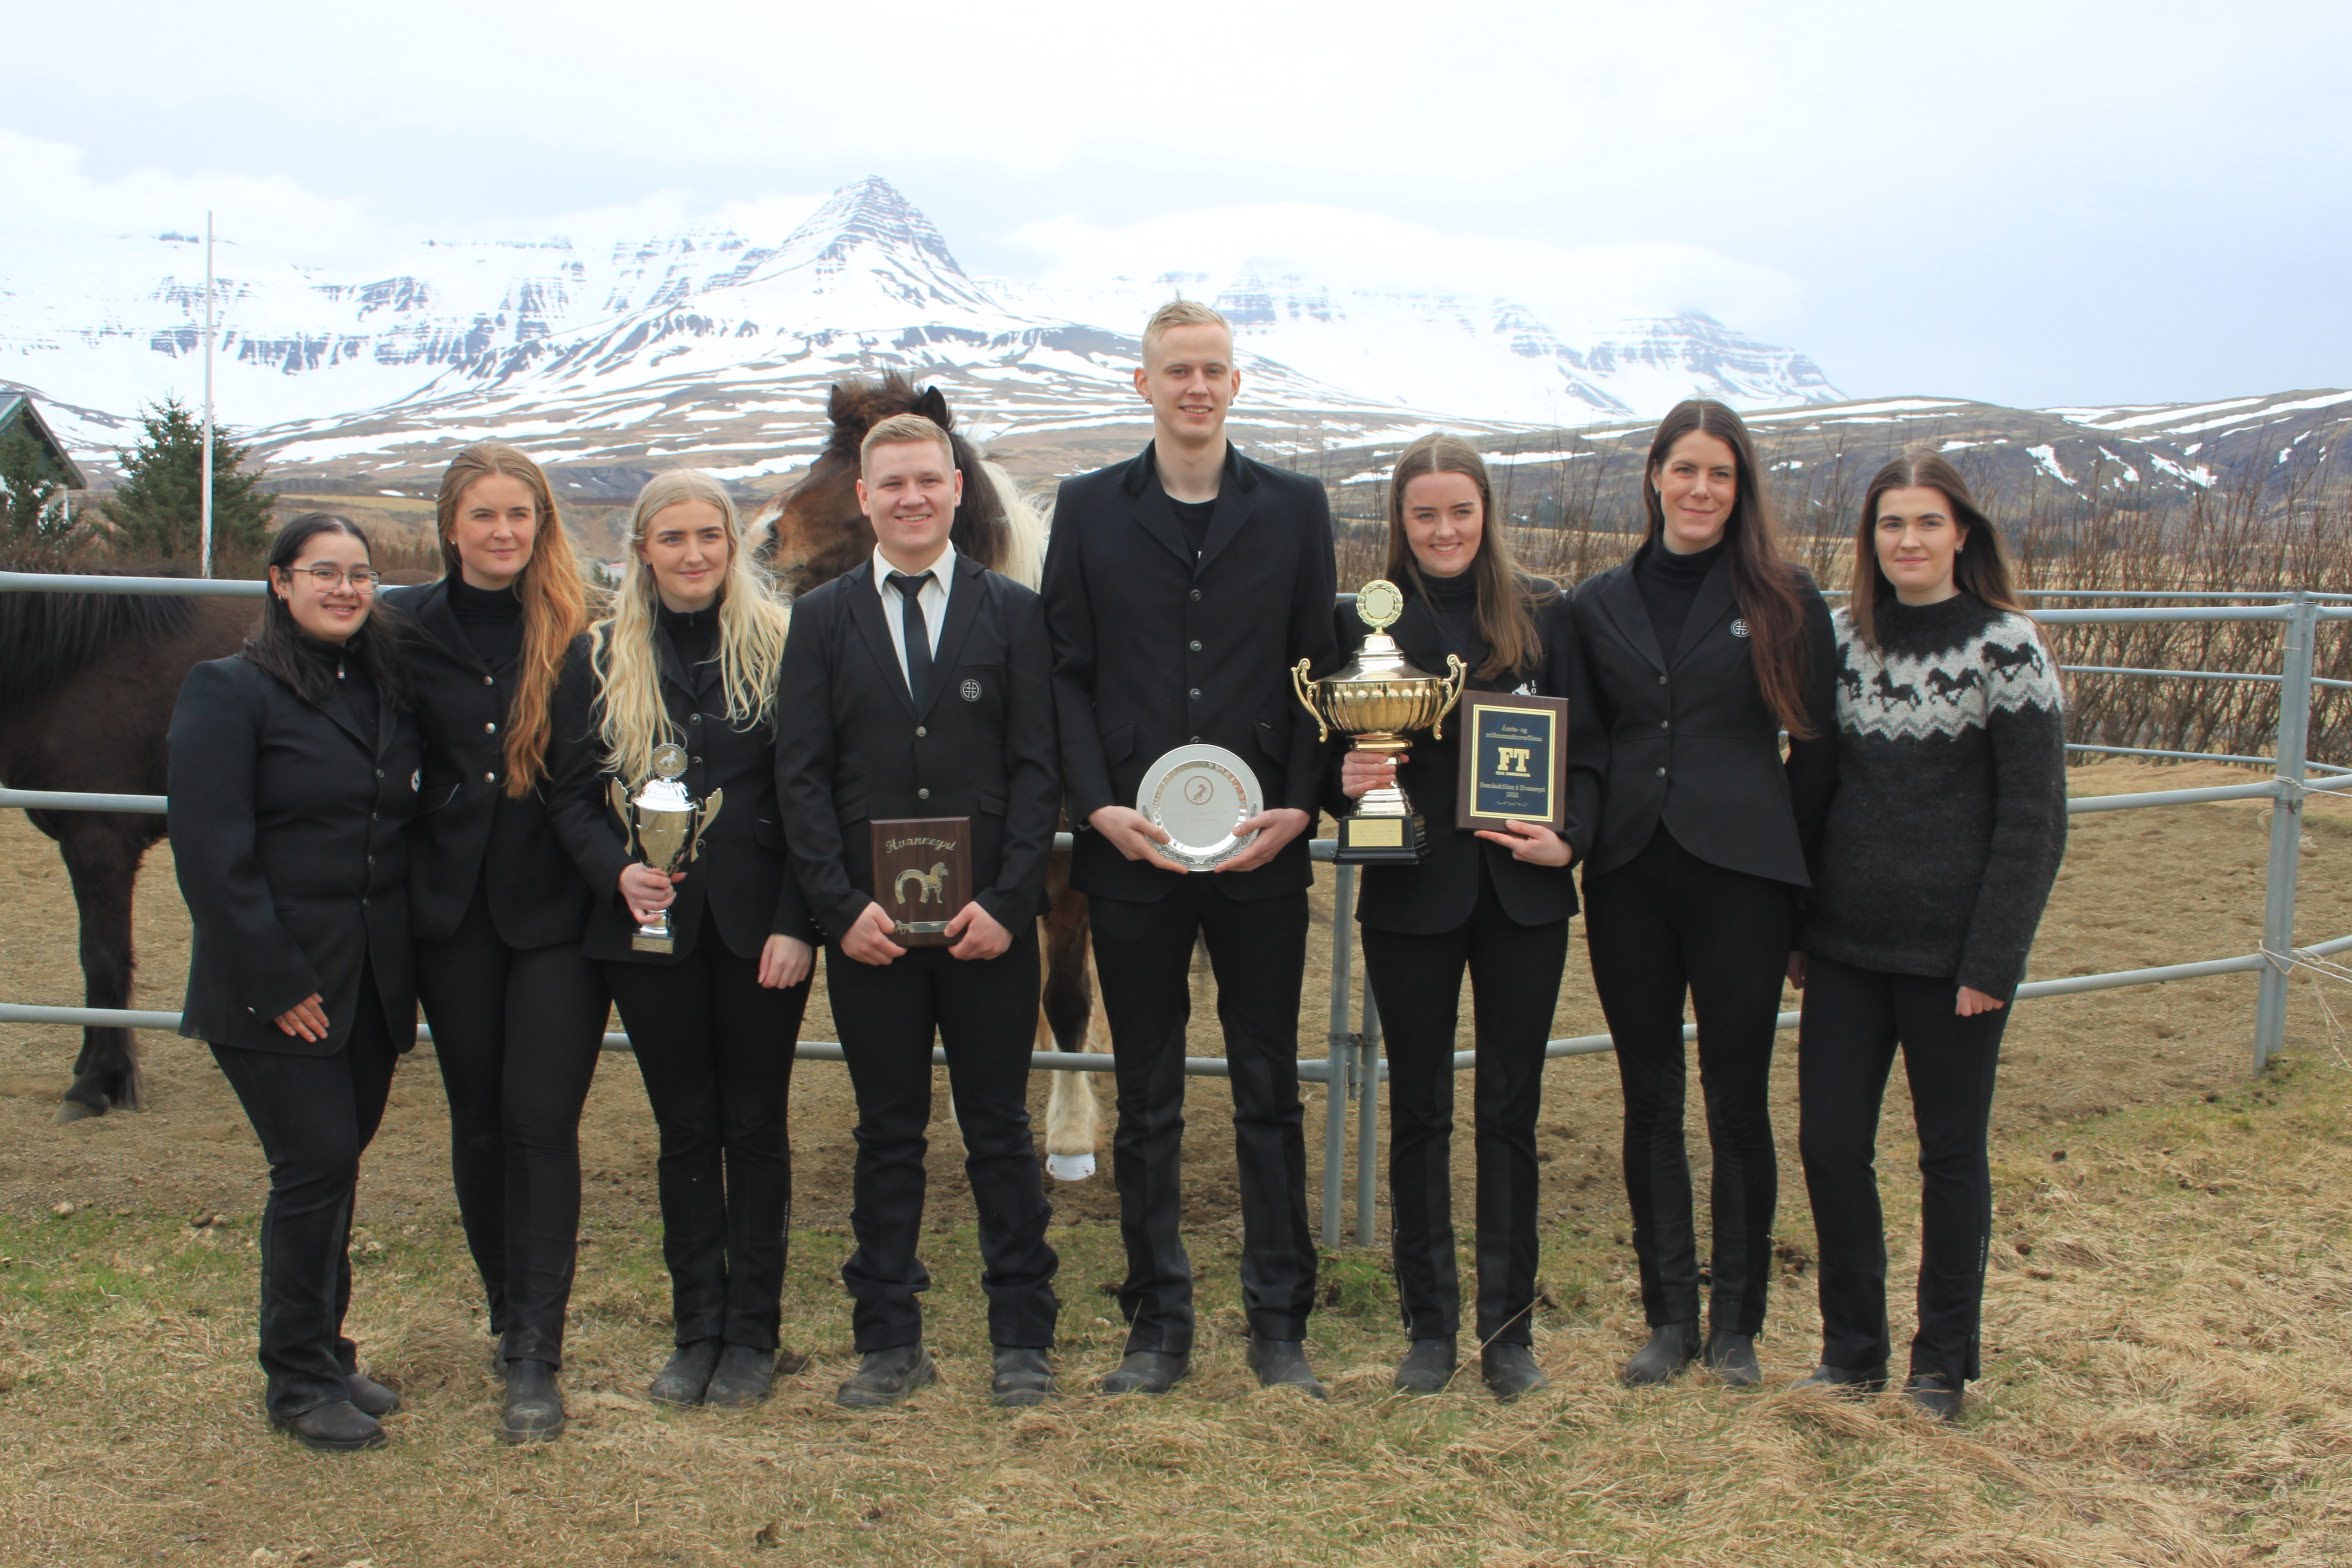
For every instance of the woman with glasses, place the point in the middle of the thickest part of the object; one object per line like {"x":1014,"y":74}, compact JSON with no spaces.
{"x":517,"y":1009}
{"x":680,"y":682}
{"x":293,"y":774}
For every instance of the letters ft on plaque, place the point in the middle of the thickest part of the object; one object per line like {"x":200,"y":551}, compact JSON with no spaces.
{"x":1514,"y":761}
{"x":922,"y":875}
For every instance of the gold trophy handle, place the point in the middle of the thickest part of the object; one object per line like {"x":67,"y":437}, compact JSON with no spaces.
{"x":703,"y":820}
{"x":1456,"y":676}
{"x":1305,"y":685}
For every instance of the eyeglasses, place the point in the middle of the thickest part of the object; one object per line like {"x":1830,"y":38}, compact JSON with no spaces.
{"x":363,"y":579}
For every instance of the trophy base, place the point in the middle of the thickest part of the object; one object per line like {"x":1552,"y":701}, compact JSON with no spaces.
{"x":920,"y":933}
{"x":1381,"y":841}
{"x":652,"y":939}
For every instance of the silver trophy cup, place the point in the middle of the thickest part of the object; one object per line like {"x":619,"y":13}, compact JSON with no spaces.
{"x":664,"y":827}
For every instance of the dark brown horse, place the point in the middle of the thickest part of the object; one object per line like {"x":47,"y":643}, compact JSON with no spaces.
{"x":819,"y":533}
{"x":815,"y":532}
{"x":91,"y":679}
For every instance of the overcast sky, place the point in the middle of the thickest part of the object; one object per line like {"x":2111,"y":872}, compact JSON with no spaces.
{"x":2028,"y":203}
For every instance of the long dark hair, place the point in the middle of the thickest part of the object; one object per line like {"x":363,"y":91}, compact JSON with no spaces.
{"x":1506,"y":600}
{"x":1762,"y":584}
{"x":554,"y":600}
{"x":277,"y":646}
{"x":1981,"y":567}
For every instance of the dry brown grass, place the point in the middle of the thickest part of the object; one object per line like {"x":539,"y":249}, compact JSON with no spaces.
{"x":2165,"y":1322}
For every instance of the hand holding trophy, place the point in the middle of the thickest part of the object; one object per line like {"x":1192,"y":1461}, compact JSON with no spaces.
{"x":1376,"y":700}
{"x":664,"y":827}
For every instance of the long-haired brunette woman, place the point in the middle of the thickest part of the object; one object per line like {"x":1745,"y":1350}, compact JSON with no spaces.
{"x":688,"y":658}
{"x":293,"y":768}
{"x":1937,"y":856}
{"x":1701,"y":649}
{"x":1498,"y":909}
{"x":517,"y":1010}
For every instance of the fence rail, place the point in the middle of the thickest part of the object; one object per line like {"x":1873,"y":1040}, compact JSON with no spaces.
{"x":1352,"y":1067}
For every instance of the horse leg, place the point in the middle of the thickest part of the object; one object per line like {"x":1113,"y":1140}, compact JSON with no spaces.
{"x":102,"y":859}
{"x":1065,"y":1018}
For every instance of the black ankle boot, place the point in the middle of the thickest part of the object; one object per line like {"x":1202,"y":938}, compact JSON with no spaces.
{"x":1732,"y":1358}
{"x":1672,"y":1347}
{"x":336,"y":1427}
{"x":683,"y":1380}
{"x":1428,"y":1366}
{"x":1510,"y":1370}
{"x":534,"y":1410}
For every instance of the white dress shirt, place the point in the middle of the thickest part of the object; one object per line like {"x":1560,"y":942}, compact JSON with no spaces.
{"x":932,"y":597}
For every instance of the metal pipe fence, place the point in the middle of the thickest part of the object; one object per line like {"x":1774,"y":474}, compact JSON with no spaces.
{"x":1352,"y":1067}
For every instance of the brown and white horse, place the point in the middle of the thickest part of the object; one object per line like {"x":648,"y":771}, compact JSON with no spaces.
{"x":813,"y":533}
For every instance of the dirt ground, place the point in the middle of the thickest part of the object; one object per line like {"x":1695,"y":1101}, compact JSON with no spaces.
{"x":2138,"y":888}
{"x":2165,"y":1318}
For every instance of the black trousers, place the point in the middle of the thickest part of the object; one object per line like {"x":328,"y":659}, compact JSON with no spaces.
{"x":1143,"y":956}
{"x":984,"y":1012}
{"x":715,"y":1049}
{"x":315,"y":1116}
{"x":1514,"y":986}
{"x":1663,"y":924}
{"x":516,"y":1032}
{"x":1854,"y":1019}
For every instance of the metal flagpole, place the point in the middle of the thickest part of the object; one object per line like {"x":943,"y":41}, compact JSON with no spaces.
{"x":204,"y":494}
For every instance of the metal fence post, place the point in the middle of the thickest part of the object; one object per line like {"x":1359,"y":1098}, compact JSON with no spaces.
{"x":2286,"y":830}
{"x":1338,"y":1053}
{"x":1367,"y":1114}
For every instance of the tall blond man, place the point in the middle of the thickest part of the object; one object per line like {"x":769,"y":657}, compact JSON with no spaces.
{"x":1180,"y":588}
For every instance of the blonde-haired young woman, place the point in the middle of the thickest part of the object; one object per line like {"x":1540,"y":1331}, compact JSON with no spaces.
{"x":688,"y":658}
{"x":517,"y":1010}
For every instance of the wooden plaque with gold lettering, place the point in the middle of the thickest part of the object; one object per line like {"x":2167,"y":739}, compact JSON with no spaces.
{"x":922,"y":874}
{"x":1514,"y":760}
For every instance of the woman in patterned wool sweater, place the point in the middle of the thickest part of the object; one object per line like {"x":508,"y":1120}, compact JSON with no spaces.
{"x":1941,"y":842}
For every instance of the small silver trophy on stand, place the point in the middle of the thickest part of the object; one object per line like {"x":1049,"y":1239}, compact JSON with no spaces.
{"x":664,"y":825}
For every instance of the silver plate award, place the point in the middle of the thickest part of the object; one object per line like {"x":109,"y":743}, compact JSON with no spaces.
{"x":1198,"y":795}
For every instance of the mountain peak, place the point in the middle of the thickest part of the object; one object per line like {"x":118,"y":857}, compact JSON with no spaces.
{"x":870,"y":210}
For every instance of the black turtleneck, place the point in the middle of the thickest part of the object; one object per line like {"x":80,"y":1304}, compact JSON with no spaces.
{"x":342,"y":674}
{"x":693,"y":633}
{"x":492,"y":620}
{"x":1453,"y":604}
{"x":1668,"y":583}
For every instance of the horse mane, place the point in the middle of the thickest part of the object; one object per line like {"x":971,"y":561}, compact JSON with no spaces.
{"x":46,"y":637}
{"x":983,"y":528}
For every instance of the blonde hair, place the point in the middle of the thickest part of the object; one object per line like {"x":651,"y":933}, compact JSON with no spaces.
{"x":631,"y":719}
{"x":1181,"y":313}
{"x":554,"y":600}
{"x":906,"y":429}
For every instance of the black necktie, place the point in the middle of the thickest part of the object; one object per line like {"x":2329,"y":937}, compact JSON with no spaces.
{"x":915,"y":631}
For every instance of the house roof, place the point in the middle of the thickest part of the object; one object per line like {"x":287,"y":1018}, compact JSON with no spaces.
{"x":15,"y":407}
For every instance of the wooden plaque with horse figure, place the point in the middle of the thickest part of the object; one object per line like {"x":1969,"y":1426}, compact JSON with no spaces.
{"x":922,"y":875}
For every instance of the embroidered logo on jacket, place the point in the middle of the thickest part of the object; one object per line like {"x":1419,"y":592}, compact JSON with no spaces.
{"x":970,"y":689}
{"x":1739,"y":626}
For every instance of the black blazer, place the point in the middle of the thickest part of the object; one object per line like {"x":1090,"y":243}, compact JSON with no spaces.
{"x":1692,"y":742}
{"x":287,"y":834}
{"x":1439,"y":893}
{"x":740,"y":883}
{"x":468,"y":831}
{"x":851,"y":747}
{"x":1152,"y":650}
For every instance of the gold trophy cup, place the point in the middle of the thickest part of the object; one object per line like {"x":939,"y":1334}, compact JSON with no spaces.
{"x":1376,"y":701}
{"x":664,"y":825}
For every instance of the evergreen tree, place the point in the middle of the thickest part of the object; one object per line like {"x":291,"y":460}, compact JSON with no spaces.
{"x":155,"y":510}
{"x":33,"y":521}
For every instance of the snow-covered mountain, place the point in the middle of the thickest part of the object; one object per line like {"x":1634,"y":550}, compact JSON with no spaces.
{"x":713,"y":347}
